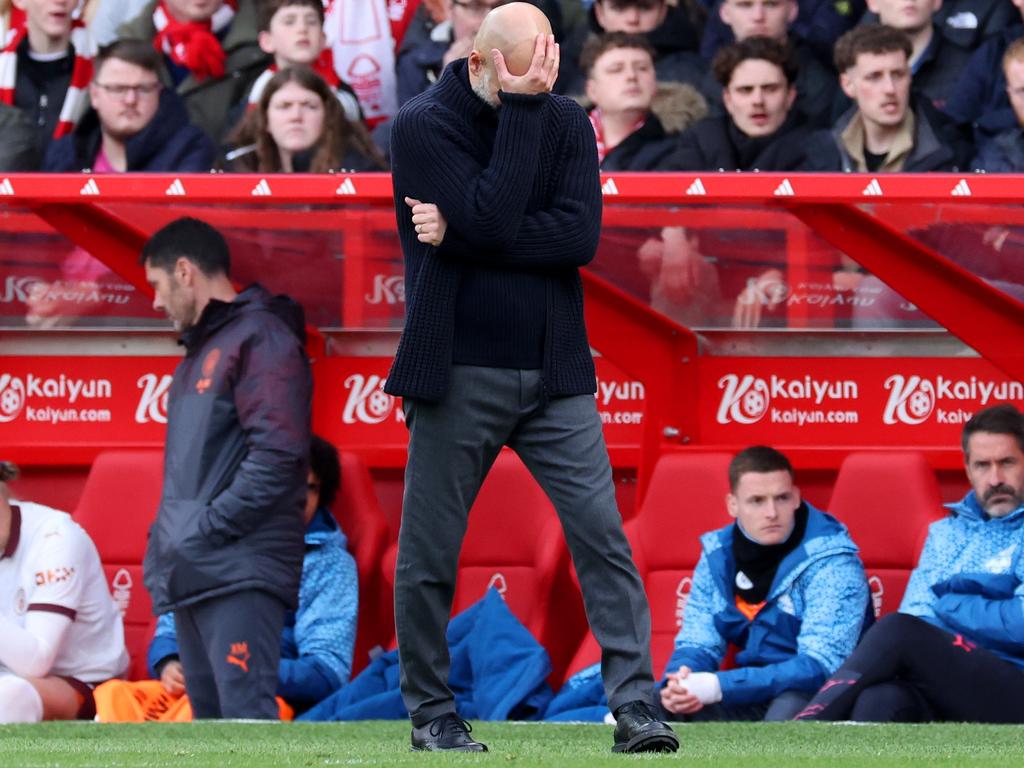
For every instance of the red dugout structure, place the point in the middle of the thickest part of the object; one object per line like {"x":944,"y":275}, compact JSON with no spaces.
{"x":821,"y":314}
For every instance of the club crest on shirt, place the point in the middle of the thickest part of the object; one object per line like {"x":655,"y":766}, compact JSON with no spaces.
{"x":743,"y":581}
{"x":209,"y":366}
{"x":20,"y":602}
{"x":1002,"y":561}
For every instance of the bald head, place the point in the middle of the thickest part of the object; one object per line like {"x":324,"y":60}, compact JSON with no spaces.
{"x":513,"y":30}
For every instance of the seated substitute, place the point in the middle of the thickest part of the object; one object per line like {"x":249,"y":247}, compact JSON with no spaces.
{"x":60,"y":631}
{"x":318,"y":638}
{"x":783,"y":584}
{"x":760,"y":130}
{"x":886,"y":130}
{"x":134,"y":123}
{"x":636,"y":120}
{"x":955,"y":649}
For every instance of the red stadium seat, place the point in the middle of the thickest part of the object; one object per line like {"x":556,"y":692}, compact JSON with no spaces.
{"x":359,"y":514}
{"x":118,"y":503}
{"x":686,"y":498}
{"x":514,"y":543}
{"x":887,"y":500}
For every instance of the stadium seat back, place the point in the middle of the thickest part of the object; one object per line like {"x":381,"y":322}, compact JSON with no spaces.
{"x":358,"y":511}
{"x":685,"y":499}
{"x":119,"y":502}
{"x":887,"y":499}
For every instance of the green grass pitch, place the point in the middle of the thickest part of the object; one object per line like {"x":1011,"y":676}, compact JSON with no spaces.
{"x":747,"y":745}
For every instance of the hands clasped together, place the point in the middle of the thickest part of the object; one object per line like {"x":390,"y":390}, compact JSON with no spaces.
{"x":687,"y":692}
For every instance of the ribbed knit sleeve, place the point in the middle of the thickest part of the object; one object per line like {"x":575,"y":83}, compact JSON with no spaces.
{"x":484,"y":203}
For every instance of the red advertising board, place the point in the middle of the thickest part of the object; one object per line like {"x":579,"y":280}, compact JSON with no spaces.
{"x":859,"y":402}
{"x":83,"y":400}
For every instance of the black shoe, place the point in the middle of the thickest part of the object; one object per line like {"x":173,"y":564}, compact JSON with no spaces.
{"x":447,"y":732}
{"x":638,"y":729}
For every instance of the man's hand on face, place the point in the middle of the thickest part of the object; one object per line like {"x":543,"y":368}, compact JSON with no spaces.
{"x":429,"y":222}
{"x":172,"y":677}
{"x":539,"y":78}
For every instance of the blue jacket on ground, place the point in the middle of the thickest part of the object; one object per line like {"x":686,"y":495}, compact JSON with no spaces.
{"x":168,"y":143}
{"x":498,"y":672}
{"x":813,"y":616}
{"x":318,"y":638}
{"x":970,"y":578}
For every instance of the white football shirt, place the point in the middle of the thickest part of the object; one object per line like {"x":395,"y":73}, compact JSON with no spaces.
{"x":51,"y":564}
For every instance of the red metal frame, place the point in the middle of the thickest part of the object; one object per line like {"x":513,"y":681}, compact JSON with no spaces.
{"x":658,"y":352}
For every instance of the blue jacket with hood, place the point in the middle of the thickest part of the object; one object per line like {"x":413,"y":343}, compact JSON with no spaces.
{"x":815,"y":612}
{"x":970,"y":578}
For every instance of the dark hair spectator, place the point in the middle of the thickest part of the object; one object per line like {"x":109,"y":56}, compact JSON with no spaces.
{"x":134,"y":124}
{"x":869,"y":38}
{"x":814,"y":82}
{"x":757,"y":458}
{"x":299,"y":126}
{"x":597,"y":45}
{"x":763,"y":48}
{"x":192,"y":239}
{"x":886,"y":130}
{"x":760,"y":129}
{"x":324,"y":463}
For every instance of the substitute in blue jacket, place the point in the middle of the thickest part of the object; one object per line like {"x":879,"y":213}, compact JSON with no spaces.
{"x":134,"y":123}
{"x":783,"y":584}
{"x":317,"y":641}
{"x":955,"y":649}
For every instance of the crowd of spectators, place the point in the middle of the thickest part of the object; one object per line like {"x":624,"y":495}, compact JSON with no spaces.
{"x":670,"y":85}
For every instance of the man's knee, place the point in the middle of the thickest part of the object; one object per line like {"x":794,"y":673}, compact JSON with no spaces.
{"x":786,"y":705}
{"x":20,"y":702}
{"x":896,"y":629}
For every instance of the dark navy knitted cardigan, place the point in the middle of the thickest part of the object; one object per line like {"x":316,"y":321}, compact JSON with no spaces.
{"x":520,"y":190}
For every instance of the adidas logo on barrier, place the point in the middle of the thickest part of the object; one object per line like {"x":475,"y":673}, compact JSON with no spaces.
{"x":697,"y":188}
{"x":346,"y":188}
{"x":176,"y":188}
{"x":90,"y":188}
{"x":784,"y":189}
{"x":262,"y":189}
{"x":6,"y":188}
{"x":961,"y":189}
{"x":873,"y":188}
{"x":609,"y":188}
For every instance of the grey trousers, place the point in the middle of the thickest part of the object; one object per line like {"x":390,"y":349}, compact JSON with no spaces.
{"x":452,"y":445}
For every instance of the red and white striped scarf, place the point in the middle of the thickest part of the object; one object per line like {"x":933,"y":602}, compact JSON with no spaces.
{"x":76,"y":99}
{"x":323,"y":66}
{"x":193,"y":45}
{"x":602,"y":148}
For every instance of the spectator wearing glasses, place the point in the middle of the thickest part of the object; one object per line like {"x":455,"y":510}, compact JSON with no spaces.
{"x":134,"y":123}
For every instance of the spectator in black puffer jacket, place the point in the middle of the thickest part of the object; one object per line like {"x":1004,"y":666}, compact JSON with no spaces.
{"x":636,"y":119}
{"x":760,"y":130}
{"x":134,"y":123}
